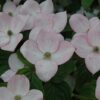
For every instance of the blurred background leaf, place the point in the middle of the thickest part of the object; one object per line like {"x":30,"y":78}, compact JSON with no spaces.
{"x":86,"y":3}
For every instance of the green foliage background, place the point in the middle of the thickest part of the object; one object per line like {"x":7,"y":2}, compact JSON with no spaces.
{"x":72,"y":81}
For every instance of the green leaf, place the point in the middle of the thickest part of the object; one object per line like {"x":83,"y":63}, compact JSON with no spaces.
{"x":88,"y":91}
{"x":36,"y":83}
{"x":3,"y":84}
{"x":86,"y":3}
{"x":64,"y":70}
{"x":82,"y":74}
{"x":25,"y":71}
{"x":59,"y":91}
{"x":71,"y":81}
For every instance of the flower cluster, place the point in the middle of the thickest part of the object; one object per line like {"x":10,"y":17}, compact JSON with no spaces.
{"x":87,"y":42}
{"x":45,"y":47}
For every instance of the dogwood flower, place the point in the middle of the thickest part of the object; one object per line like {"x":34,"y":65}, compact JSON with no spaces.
{"x":15,"y":64}
{"x":11,"y":8}
{"x":97,"y":92}
{"x":10,"y":28}
{"x":88,"y":47}
{"x":47,"y":52}
{"x":18,"y":89}
{"x":41,"y":15}
{"x":80,"y":23}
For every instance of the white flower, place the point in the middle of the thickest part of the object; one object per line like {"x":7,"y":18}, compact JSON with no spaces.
{"x":11,"y":8}
{"x":18,"y":89}
{"x":10,"y":28}
{"x":47,"y":52}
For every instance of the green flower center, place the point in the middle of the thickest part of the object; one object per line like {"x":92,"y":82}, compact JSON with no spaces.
{"x":10,"y":33}
{"x":17,"y":98}
{"x":96,"y":49}
{"x":10,"y":14}
{"x":47,"y":55}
